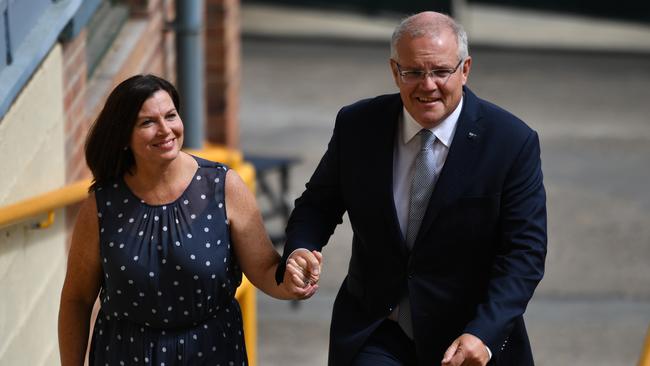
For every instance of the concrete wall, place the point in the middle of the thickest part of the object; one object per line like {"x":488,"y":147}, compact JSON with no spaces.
{"x":32,"y":261}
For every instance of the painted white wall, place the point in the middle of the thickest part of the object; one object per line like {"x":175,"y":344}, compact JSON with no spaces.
{"x":32,"y":261}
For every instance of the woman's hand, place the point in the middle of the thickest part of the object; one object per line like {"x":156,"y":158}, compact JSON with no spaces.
{"x":303,"y":273}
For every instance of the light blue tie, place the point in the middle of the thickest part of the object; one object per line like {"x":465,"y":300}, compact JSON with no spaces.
{"x":421,"y":188}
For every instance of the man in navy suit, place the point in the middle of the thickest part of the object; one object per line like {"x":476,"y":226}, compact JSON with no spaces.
{"x":445,"y":196}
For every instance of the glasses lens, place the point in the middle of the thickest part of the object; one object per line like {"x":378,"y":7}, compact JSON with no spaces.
{"x":441,"y":74}
{"x":412,"y":76}
{"x":415,"y":76}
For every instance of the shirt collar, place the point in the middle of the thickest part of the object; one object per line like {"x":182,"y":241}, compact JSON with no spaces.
{"x":444,"y":131}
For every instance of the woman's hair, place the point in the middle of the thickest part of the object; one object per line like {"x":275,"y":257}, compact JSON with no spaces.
{"x":107,"y":145}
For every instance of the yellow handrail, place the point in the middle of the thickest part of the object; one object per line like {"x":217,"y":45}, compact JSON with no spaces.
{"x":247,"y":298}
{"x":645,"y":353}
{"x":44,"y":203}
{"x":78,"y":191}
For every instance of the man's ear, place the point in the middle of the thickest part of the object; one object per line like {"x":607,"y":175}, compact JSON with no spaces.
{"x":393,"y":69}
{"x":467,"y":65}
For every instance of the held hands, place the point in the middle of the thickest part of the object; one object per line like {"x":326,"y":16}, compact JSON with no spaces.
{"x":302,"y":273}
{"x":466,"y":350}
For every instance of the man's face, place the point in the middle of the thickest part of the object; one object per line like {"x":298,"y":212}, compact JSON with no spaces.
{"x":431,"y":99}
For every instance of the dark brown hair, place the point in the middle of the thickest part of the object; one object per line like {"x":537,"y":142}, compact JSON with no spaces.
{"x":107,"y":152}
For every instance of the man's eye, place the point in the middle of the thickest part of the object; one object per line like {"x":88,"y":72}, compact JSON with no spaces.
{"x":441,"y":73}
{"x":171,"y":116}
{"x":413,"y":73}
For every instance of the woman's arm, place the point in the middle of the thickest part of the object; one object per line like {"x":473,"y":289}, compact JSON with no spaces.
{"x":82,"y":283}
{"x":255,"y":253}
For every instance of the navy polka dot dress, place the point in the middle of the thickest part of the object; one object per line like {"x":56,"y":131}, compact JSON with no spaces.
{"x":170,"y":276}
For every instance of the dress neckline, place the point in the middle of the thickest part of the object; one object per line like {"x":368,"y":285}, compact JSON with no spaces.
{"x":173,"y":202}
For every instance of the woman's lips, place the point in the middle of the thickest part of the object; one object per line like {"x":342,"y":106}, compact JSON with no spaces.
{"x":167,"y":144}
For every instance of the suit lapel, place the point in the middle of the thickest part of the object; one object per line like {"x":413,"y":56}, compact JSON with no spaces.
{"x":460,"y":160}
{"x":383,"y":146}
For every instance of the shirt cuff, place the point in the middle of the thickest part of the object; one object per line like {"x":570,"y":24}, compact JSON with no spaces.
{"x":296,"y":251}
{"x":488,"y":349}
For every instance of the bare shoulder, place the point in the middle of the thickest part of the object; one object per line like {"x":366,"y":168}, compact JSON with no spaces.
{"x":88,"y":208}
{"x":234,"y":182}
{"x":83,"y":277}
{"x":87,"y":225}
{"x":239,"y":199}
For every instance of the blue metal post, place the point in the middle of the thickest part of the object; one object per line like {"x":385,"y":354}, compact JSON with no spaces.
{"x":190,"y":70}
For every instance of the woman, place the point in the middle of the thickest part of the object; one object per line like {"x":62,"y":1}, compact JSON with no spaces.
{"x":163,"y":239}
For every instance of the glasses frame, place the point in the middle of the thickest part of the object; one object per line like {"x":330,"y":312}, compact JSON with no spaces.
{"x":423,"y":74}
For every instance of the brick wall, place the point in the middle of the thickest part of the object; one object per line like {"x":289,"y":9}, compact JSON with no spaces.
{"x":222,"y":61}
{"x":74,"y":112}
{"x":74,"y":107}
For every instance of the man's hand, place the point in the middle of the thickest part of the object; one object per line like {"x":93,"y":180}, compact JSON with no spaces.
{"x":466,"y":350}
{"x":303,"y":273}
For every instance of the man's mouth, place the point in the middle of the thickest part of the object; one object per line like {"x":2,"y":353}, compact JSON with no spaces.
{"x":427,"y":100}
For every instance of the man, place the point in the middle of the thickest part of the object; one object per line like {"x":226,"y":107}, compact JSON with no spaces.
{"x":445,"y":197}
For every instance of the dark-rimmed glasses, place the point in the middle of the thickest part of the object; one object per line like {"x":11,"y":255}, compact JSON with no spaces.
{"x":415,"y":76}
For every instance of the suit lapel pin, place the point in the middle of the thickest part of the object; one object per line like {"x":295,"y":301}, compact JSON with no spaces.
{"x":471,"y":135}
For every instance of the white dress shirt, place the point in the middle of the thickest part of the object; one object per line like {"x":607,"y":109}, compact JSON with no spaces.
{"x":407,"y":148}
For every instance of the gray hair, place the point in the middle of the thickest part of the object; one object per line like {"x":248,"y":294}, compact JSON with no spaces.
{"x":414,"y":27}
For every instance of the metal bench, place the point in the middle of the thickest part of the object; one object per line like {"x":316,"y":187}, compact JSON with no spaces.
{"x":266,"y":167}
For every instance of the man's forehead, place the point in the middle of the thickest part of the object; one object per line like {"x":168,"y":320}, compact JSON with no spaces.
{"x":439,"y":32}
{"x":423,"y":44}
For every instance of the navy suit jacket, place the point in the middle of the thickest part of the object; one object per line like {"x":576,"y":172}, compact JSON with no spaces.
{"x":479,"y":253}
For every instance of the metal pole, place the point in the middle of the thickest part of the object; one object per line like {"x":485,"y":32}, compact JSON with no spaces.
{"x":190,"y":69}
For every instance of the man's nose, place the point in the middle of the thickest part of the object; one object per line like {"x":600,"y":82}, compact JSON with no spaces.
{"x":429,"y":82}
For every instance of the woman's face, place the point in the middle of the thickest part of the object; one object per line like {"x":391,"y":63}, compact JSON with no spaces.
{"x":157,"y":135}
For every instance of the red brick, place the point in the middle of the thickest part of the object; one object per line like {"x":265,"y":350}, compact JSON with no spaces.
{"x":143,"y":8}
{"x":76,"y":114}
{"x":75,"y":91}
{"x":74,"y":46}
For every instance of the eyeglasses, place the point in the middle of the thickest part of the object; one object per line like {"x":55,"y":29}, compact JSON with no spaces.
{"x":415,"y":76}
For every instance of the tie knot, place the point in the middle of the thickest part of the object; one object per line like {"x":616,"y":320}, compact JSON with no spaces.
{"x":427,"y":139}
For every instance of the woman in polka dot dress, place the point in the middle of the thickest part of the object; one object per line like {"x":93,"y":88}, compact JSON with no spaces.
{"x":163,"y":239}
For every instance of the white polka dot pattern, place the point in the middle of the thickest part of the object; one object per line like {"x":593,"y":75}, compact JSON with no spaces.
{"x":162,"y":272}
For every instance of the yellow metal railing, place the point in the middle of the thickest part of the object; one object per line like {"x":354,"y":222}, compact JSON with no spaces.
{"x":44,"y":204}
{"x":247,"y":298}
{"x":48,"y":202}
{"x":645,"y":353}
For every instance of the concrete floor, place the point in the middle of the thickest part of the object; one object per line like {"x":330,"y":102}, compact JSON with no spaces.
{"x":592,"y":112}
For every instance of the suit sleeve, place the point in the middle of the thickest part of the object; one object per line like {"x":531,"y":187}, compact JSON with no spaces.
{"x":320,"y":208}
{"x":519,"y":262}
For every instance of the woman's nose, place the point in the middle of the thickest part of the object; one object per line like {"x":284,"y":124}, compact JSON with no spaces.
{"x":163,"y":128}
